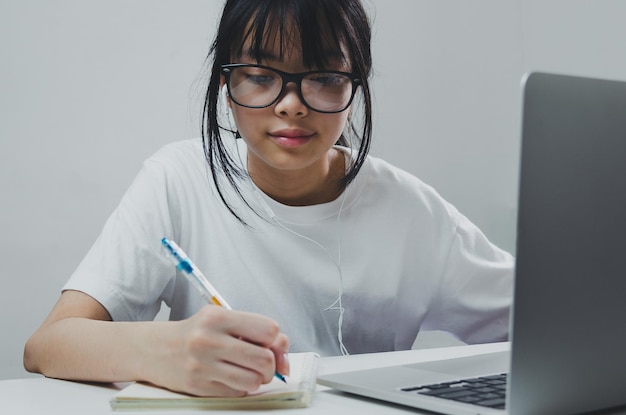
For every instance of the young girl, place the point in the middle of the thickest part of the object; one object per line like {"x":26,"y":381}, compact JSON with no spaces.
{"x":315,"y":244}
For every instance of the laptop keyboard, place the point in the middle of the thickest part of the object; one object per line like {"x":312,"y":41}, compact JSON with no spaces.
{"x":486,"y":391}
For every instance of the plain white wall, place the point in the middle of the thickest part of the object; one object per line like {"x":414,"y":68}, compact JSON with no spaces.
{"x":89,"y":89}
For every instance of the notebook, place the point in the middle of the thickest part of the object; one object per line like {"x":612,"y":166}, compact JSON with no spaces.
{"x":568,"y":326}
{"x":296,"y":393}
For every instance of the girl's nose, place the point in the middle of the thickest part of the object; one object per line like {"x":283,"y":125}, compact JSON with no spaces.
{"x":289,"y":103}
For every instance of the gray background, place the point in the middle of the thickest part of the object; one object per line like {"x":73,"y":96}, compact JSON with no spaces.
{"x":89,"y":89}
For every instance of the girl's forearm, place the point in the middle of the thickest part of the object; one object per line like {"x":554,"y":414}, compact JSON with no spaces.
{"x":94,"y":350}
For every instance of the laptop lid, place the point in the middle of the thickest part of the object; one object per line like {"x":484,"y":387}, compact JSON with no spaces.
{"x":569,"y":319}
{"x":569,"y":316}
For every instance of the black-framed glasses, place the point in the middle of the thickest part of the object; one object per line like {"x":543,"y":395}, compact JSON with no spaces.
{"x":258,"y":86}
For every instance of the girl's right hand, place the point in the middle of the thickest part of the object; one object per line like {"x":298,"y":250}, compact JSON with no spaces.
{"x":219,"y":352}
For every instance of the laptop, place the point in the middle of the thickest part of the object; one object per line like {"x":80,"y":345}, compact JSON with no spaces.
{"x":568,"y":325}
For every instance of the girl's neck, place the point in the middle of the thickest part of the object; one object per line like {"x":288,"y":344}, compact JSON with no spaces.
{"x":305,"y":187}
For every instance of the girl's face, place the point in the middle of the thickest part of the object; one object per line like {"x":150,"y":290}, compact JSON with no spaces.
{"x":288,"y":140}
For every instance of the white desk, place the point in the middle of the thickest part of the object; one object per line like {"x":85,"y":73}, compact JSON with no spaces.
{"x":35,"y":396}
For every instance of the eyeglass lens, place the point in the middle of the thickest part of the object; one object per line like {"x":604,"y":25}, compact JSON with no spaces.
{"x":253,"y":86}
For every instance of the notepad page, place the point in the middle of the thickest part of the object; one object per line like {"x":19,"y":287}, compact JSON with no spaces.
{"x":297,"y":392}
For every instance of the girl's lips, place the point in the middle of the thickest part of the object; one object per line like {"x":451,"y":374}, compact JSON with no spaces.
{"x":292,"y":133}
{"x":291,"y":137}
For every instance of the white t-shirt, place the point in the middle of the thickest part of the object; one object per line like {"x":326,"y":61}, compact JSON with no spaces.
{"x":409,"y":260}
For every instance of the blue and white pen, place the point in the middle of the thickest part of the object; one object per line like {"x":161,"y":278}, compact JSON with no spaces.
{"x":204,"y":287}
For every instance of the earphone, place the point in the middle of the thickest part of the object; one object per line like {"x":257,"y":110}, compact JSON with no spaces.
{"x":227,"y":112}
{"x":264,"y":204}
{"x":338,"y":304}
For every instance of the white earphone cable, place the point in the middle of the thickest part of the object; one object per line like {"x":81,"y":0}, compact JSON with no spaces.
{"x":338,"y":303}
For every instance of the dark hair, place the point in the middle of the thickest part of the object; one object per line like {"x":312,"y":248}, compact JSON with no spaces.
{"x":318,"y":25}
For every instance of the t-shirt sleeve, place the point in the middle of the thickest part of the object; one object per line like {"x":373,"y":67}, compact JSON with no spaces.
{"x":475,"y":290}
{"x":125,"y":270}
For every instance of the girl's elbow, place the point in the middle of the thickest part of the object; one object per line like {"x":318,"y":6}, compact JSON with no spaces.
{"x":31,"y":355}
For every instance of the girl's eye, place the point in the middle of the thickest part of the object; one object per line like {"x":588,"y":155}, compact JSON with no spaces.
{"x":260,"y":79}
{"x":329,"y":79}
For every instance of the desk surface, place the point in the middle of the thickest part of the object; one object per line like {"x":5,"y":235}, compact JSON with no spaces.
{"x":41,"y":395}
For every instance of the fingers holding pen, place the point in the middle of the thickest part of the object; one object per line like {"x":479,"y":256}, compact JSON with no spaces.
{"x":280,"y":348}
{"x":237,"y":349}
{"x":263,"y":346}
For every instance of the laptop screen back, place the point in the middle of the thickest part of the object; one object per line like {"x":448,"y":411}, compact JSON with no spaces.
{"x":569,"y":319}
